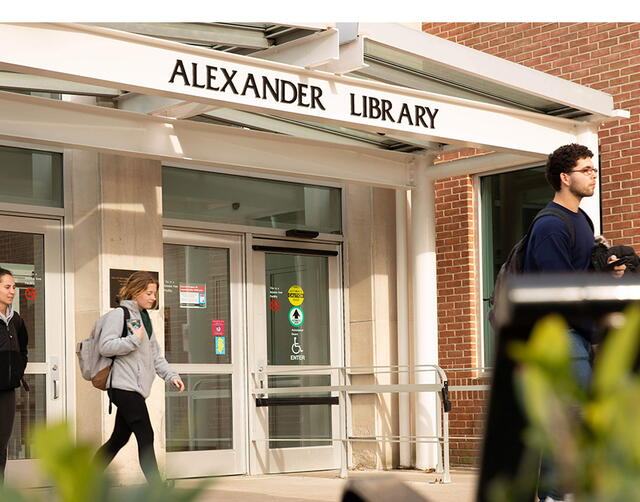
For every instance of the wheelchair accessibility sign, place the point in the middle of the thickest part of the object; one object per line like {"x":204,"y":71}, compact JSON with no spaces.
{"x":296,"y":316}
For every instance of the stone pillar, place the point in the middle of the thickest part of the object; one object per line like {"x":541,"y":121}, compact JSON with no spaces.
{"x":131,"y":212}
{"x":372,"y":317}
{"x":116,"y":218}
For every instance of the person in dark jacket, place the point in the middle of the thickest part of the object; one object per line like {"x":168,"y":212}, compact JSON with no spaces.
{"x":571,"y":173}
{"x":13,"y":360}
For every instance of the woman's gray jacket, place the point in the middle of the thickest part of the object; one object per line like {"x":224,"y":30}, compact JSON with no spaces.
{"x":137,"y":361}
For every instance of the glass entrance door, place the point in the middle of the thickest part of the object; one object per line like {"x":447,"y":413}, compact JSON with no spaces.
{"x":31,"y":249}
{"x":297,"y":342}
{"x":203,"y":316}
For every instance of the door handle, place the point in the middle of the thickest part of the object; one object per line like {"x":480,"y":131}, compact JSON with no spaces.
{"x":54,"y":372}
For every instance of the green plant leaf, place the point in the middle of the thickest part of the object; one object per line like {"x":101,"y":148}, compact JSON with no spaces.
{"x":618,"y":353}
{"x":70,"y":466}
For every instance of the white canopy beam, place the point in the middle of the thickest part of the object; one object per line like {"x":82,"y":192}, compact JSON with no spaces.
{"x":223,"y":79}
{"x":59,"y":123}
{"x":488,"y":67}
{"x":311,"y":51}
{"x":351,"y":58}
{"x":166,"y":107}
{"x":36,"y":83}
{"x":480,"y":164}
{"x":202,"y":33}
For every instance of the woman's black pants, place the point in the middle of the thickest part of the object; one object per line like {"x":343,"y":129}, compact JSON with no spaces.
{"x":7,"y":414}
{"x":132,"y":416}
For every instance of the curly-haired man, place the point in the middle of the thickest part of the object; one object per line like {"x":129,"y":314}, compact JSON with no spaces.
{"x":553,"y":247}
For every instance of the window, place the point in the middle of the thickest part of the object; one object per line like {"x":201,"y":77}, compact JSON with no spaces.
{"x":509,"y":201}
{"x":30,"y":177}
{"x":240,"y":200}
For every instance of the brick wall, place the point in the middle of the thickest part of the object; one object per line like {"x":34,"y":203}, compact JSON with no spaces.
{"x":458,"y":319}
{"x":603,"y":56}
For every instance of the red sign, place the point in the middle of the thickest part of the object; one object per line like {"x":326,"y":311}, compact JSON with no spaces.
{"x":30,"y":294}
{"x":274,"y":305}
{"x":217,"y":327}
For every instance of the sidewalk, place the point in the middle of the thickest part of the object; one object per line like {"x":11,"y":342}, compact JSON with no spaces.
{"x":327,"y":486}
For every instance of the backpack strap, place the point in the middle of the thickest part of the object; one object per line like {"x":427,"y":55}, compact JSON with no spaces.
{"x":559,"y":213}
{"x":124,"y":333}
{"x":584,"y":213}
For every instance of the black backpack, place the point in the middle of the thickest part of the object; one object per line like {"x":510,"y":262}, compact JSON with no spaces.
{"x":514,"y":264}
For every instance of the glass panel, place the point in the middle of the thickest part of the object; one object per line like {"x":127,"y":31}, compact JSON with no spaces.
{"x":30,"y":177}
{"x":510,"y":201}
{"x":199,"y":195}
{"x":200,"y":418}
{"x":197,"y":313}
{"x":23,"y":255}
{"x":297,"y":292}
{"x":30,"y":411}
{"x":311,"y":421}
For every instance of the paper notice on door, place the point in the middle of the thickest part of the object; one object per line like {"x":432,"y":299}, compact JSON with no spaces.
{"x":193,"y":296}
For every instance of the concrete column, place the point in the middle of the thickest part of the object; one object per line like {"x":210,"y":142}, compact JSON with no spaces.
{"x":591,"y":205}
{"x":83,"y":241}
{"x":425,"y":306}
{"x":372,"y":320}
{"x":131,"y":211}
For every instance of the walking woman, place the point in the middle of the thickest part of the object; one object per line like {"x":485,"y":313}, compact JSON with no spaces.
{"x":138,"y":360}
{"x":13,"y":360}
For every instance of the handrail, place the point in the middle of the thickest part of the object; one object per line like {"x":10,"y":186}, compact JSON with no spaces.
{"x":441,"y":388}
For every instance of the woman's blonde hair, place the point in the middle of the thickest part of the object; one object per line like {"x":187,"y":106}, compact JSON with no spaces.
{"x":137,"y":283}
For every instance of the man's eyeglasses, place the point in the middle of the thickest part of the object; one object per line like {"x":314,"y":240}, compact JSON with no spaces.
{"x":589,"y":171}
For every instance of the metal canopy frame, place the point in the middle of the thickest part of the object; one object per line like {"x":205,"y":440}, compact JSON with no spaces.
{"x":391,"y":53}
{"x":465,"y":122}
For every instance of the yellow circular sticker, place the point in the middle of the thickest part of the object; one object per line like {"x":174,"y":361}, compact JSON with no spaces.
{"x":295,"y":295}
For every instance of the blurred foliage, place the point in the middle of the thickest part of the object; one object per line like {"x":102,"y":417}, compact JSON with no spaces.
{"x":593,"y":436}
{"x":76,"y":477}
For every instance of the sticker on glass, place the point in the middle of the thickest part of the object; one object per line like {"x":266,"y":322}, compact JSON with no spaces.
{"x":221,"y":345}
{"x":193,"y":296}
{"x":217,"y":327}
{"x":296,"y":316}
{"x":295,"y":295}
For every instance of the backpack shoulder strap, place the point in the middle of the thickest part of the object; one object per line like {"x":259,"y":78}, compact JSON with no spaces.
{"x":559,"y":213}
{"x":127,"y":315}
{"x":584,"y":213}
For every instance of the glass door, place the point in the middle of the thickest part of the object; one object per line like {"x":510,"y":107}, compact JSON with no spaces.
{"x":31,"y":249}
{"x":297,"y":341}
{"x":509,"y":202}
{"x":203,"y":316}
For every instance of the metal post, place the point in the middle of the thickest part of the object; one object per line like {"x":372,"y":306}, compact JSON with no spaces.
{"x":344,"y":457}
{"x":404,"y":419}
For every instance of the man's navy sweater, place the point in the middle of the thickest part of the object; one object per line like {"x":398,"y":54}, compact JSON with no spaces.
{"x":549,"y":248}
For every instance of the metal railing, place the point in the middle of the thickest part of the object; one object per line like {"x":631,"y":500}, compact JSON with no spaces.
{"x":262,"y":394}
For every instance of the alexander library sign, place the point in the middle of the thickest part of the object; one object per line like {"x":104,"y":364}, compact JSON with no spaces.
{"x":239,"y":82}
{"x":302,"y":95}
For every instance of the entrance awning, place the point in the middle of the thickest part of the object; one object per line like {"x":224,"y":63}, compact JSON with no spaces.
{"x":380,"y":91}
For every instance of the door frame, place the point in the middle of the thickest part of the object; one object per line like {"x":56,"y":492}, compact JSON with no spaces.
{"x":25,"y":472}
{"x":190,"y":464}
{"x":262,"y":459}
